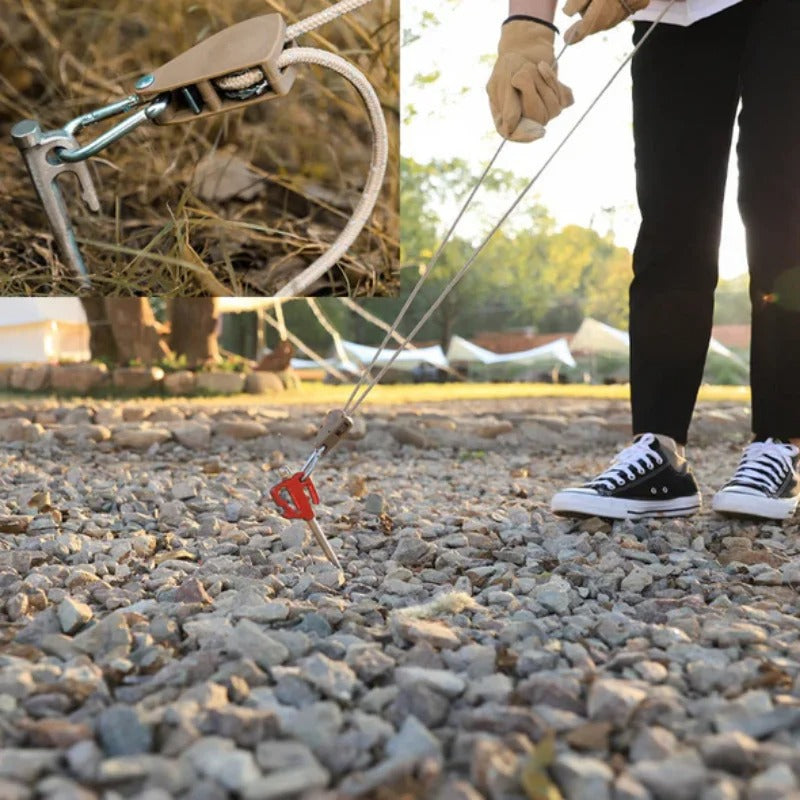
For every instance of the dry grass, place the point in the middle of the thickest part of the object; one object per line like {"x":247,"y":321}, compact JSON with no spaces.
{"x":155,"y":235}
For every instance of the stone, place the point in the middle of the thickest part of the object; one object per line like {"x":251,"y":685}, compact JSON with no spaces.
{"x":627,"y":788}
{"x":72,"y":615}
{"x":439,"y":680}
{"x":181,"y":382}
{"x":438,"y":634}
{"x":411,"y":551}
{"x":220,"y":382}
{"x":333,"y":678}
{"x":122,"y":733}
{"x":260,"y":382}
{"x":192,"y":435}
{"x":107,"y":638}
{"x":217,"y":758}
{"x":374,"y":503}
{"x":291,"y":769}
{"x":53,"y":732}
{"x":583,"y":778}
{"x":17,"y":523}
{"x":26,"y":765}
{"x":733,"y":751}
{"x":30,"y":378}
{"x":637,"y":580}
{"x":413,"y":740}
{"x":192,"y":591}
{"x":137,"y":379}
{"x":12,"y":790}
{"x":249,"y":640}
{"x":679,"y":777}
{"x":554,"y":595}
{"x":240,"y":429}
{"x":613,"y":700}
{"x":245,"y":726}
{"x":775,"y":783}
{"x":652,"y":744}
{"x":140,"y":438}
{"x":78,"y":379}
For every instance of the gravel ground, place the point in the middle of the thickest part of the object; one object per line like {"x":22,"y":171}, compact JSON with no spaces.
{"x":164,"y":634}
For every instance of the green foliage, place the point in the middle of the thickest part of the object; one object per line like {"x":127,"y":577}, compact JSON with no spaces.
{"x":732,"y":302}
{"x":173,"y":363}
{"x":534,"y":276}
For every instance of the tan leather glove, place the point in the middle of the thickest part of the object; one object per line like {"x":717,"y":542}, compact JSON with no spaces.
{"x":598,"y":15}
{"x":524,"y":90}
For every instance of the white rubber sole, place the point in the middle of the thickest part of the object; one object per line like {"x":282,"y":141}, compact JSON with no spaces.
{"x":751,"y":505}
{"x":594,"y":505}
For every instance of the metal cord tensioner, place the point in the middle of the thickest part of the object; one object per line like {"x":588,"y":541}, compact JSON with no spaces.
{"x":241,"y":65}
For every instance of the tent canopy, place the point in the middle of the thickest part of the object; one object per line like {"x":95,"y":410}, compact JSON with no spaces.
{"x":556,"y":352}
{"x":594,"y":336}
{"x":406,"y":360}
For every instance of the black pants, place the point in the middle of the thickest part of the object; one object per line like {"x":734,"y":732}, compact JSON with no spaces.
{"x":687,"y":83}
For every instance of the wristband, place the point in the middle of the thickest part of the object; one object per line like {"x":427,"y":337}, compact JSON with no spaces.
{"x":544,"y":22}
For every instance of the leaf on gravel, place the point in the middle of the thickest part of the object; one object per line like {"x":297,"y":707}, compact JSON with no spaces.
{"x":41,"y":501}
{"x":534,"y":778}
{"x":771,"y":676}
{"x":591,"y":736}
{"x":14,"y":524}
{"x":171,"y":555}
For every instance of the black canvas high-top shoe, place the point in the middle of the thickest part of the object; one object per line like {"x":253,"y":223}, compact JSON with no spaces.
{"x":766,"y":484}
{"x":646,"y":479}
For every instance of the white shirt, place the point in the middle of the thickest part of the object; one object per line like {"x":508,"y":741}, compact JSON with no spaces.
{"x":684,"y":12}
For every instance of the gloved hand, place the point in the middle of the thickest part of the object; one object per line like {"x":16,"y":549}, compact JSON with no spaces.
{"x":524,"y":90}
{"x":598,"y":15}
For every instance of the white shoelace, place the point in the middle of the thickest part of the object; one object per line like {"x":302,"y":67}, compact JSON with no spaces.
{"x":630,"y":462}
{"x":765,"y":466}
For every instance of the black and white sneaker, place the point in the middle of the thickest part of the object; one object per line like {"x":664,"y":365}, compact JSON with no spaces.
{"x":647,"y":479}
{"x":766,"y":483}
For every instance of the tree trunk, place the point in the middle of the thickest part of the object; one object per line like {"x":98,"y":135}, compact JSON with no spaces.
{"x":102,"y":345}
{"x":137,"y":334}
{"x":194,"y":322}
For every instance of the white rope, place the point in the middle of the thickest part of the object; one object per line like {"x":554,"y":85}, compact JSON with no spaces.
{"x":399,"y":338}
{"x":377,"y":322}
{"x":380,"y":157}
{"x":418,"y":285}
{"x":338,"y":346}
{"x":322,"y":17}
{"x":280,"y":319}
{"x":354,"y":402}
{"x":340,"y":376}
{"x":392,"y":330}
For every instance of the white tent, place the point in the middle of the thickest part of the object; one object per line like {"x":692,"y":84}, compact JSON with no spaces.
{"x":719,"y":349}
{"x":594,"y":336}
{"x":407,"y":360}
{"x":42,"y":329}
{"x":557,"y":352}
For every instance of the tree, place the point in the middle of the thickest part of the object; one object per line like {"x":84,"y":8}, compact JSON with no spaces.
{"x":125,"y":330}
{"x":137,"y":334}
{"x":194,"y":323}
{"x":102,"y":344}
